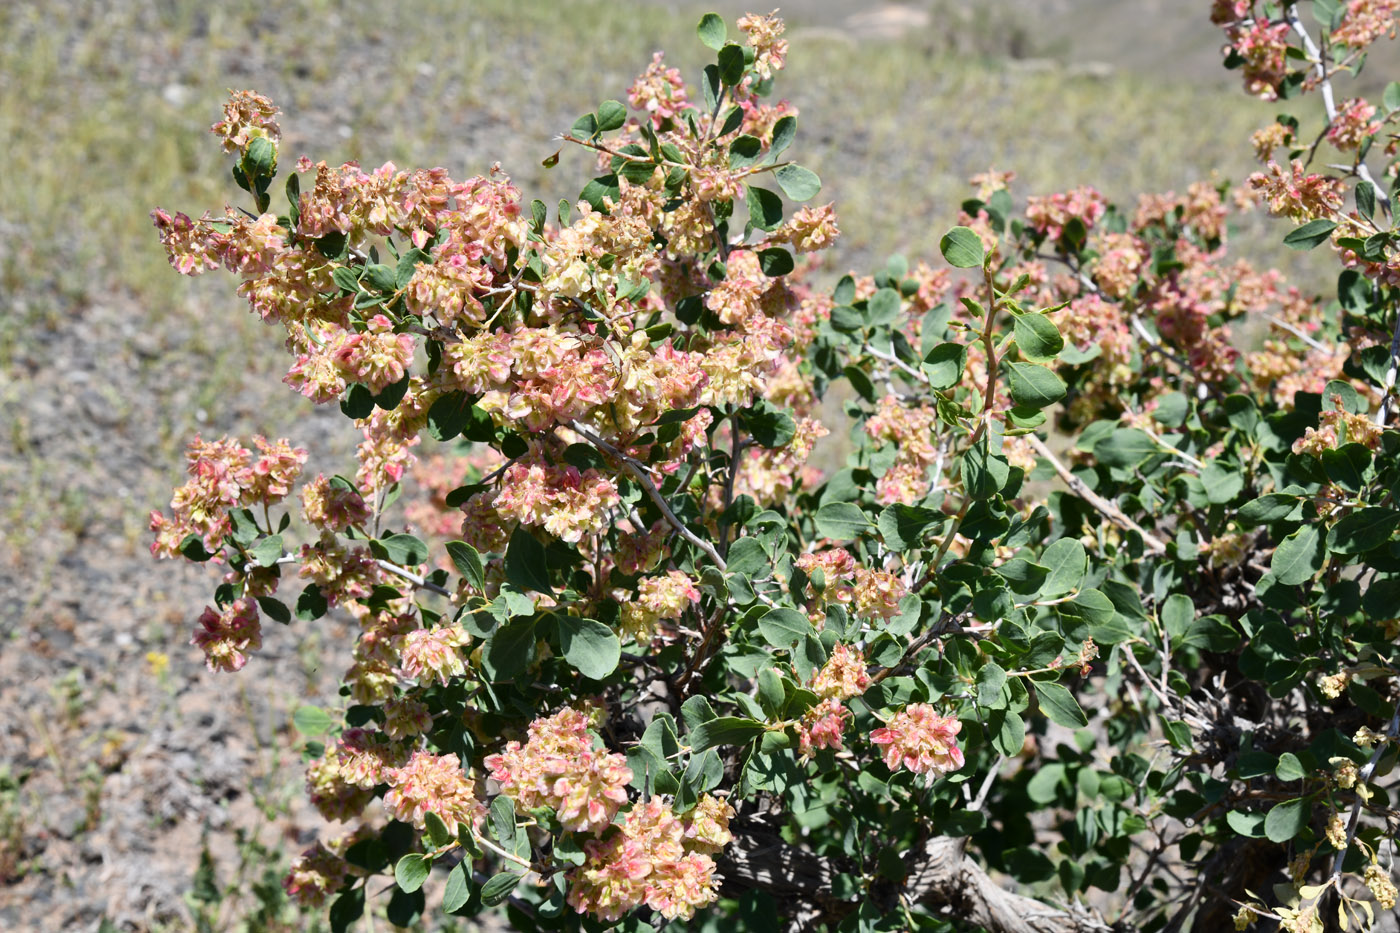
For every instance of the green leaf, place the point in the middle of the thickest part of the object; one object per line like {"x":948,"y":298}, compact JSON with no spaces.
{"x":727,"y":730}
{"x":903,"y":526}
{"x":411,"y":871}
{"x":983,"y":473}
{"x":775,"y":262}
{"x":275,"y":609}
{"x":509,"y":649}
{"x":1298,"y":557}
{"x":1067,"y":562}
{"x":1222,"y":483}
{"x":1289,"y":768}
{"x":1366,"y":199}
{"x":458,"y":888}
{"x":783,"y":628}
{"x":798,"y":183}
{"x":1271,"y":508}
{"x":357,"y":402}
{"x":260,"y":159}
{"x":1246,"y":824}
{"x":1390,"y":98}
{"x":611,"y":115}
{"x":380,"y":277}
{"x":311,"y":604}
{"x":747,"y":558}
{"x":990,"y":681}
{"x":590,"y":647}
{"x":1178,"y":612}
{"x":841,"y":521}
{"x":1034,"y":386}
{"x":944,"y":365}
{"x":765,"y":207}
{"x":311,"y":721}
{"x":268,"y":551}
{"x":526,"y":565}
{"x":192,"y":548}
{"x":731,"y":64}
{"x":1038,"y":338}
{"x":599,"y":190}
{"x":346,"y":909}
{"x":1125,"y":448}
{"x":712,"y":31}
{"x":769,"y":425}
{"x":455,"y":413}
{"x":1059,"y":705}
{"x":495,"y":891}
{"x":404,"y":550}
{"x":962,"y":248}
{"x":1309,"y":234}
{"x":744,"y":151}
{"x":1287,"y":819}
{"x":784,"y":131}
{"x":1363,"y":531}
{"x":468,"y":563}
{"x":436,"y":830}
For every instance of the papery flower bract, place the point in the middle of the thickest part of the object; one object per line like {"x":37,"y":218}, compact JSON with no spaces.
{"x":226,"y":637}
{"x":315,"y":875}
{"x":559,"y":768}
{"x":919,"y":739}
{"x":843,"y":675}
{"x":247,"y":116}
{"x":332,"y":793}
{"x":821,"y":727}
{"x":332,"y":505}
{"x":434,"y":654}
{"x":363,"y":757}
{"x":645,"y":861}
{"x":431,"y":783}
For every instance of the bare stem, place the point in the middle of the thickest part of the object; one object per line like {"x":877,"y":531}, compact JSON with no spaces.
{"x":1106,"y":508}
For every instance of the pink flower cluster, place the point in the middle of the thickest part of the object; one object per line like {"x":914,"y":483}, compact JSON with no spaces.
{"x":770,"y":52}
{"x":332,"y":506}
{"x":919,"y":739}
{"x":1355,"y":121}
{"x":247,"y":116}
{"x":659,"y":90}
{"x":558,"y":767}
{"x":224,"y":475}
{"x":1366,"y":21}
{"x":566,"y":502}
{"x":810,"y":229}
{"x":870,"y":593}
{"x":434,"y":654}
{"x":1049,"y":215}
{"x":911,"y":431}
{"x":226,"y":637}
{"x":364,"y":757}
{"x":843,"y":675}
{"x":1296,"y":194}
{"x":431,"y":783}
{"x":659,"y":598}
{"x":315,"y":875}
{"x":822,"y":726}
{"x":654,"y":858}
{"x":1261,"y":43}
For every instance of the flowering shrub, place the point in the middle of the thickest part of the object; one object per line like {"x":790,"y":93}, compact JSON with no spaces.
{"x":1105,"y":592}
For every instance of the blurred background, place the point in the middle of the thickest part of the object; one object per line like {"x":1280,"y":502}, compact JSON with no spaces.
{"x":122,"y":761}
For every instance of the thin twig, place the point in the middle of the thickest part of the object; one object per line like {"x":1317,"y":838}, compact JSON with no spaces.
{"x":1106,"y":508}
{"x":413,"y":578}
{"x":639,"y":474}
{"x":1363,"y":776}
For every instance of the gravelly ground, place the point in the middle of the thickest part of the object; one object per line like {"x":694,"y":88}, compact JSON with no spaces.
{"x":111,"y":771}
